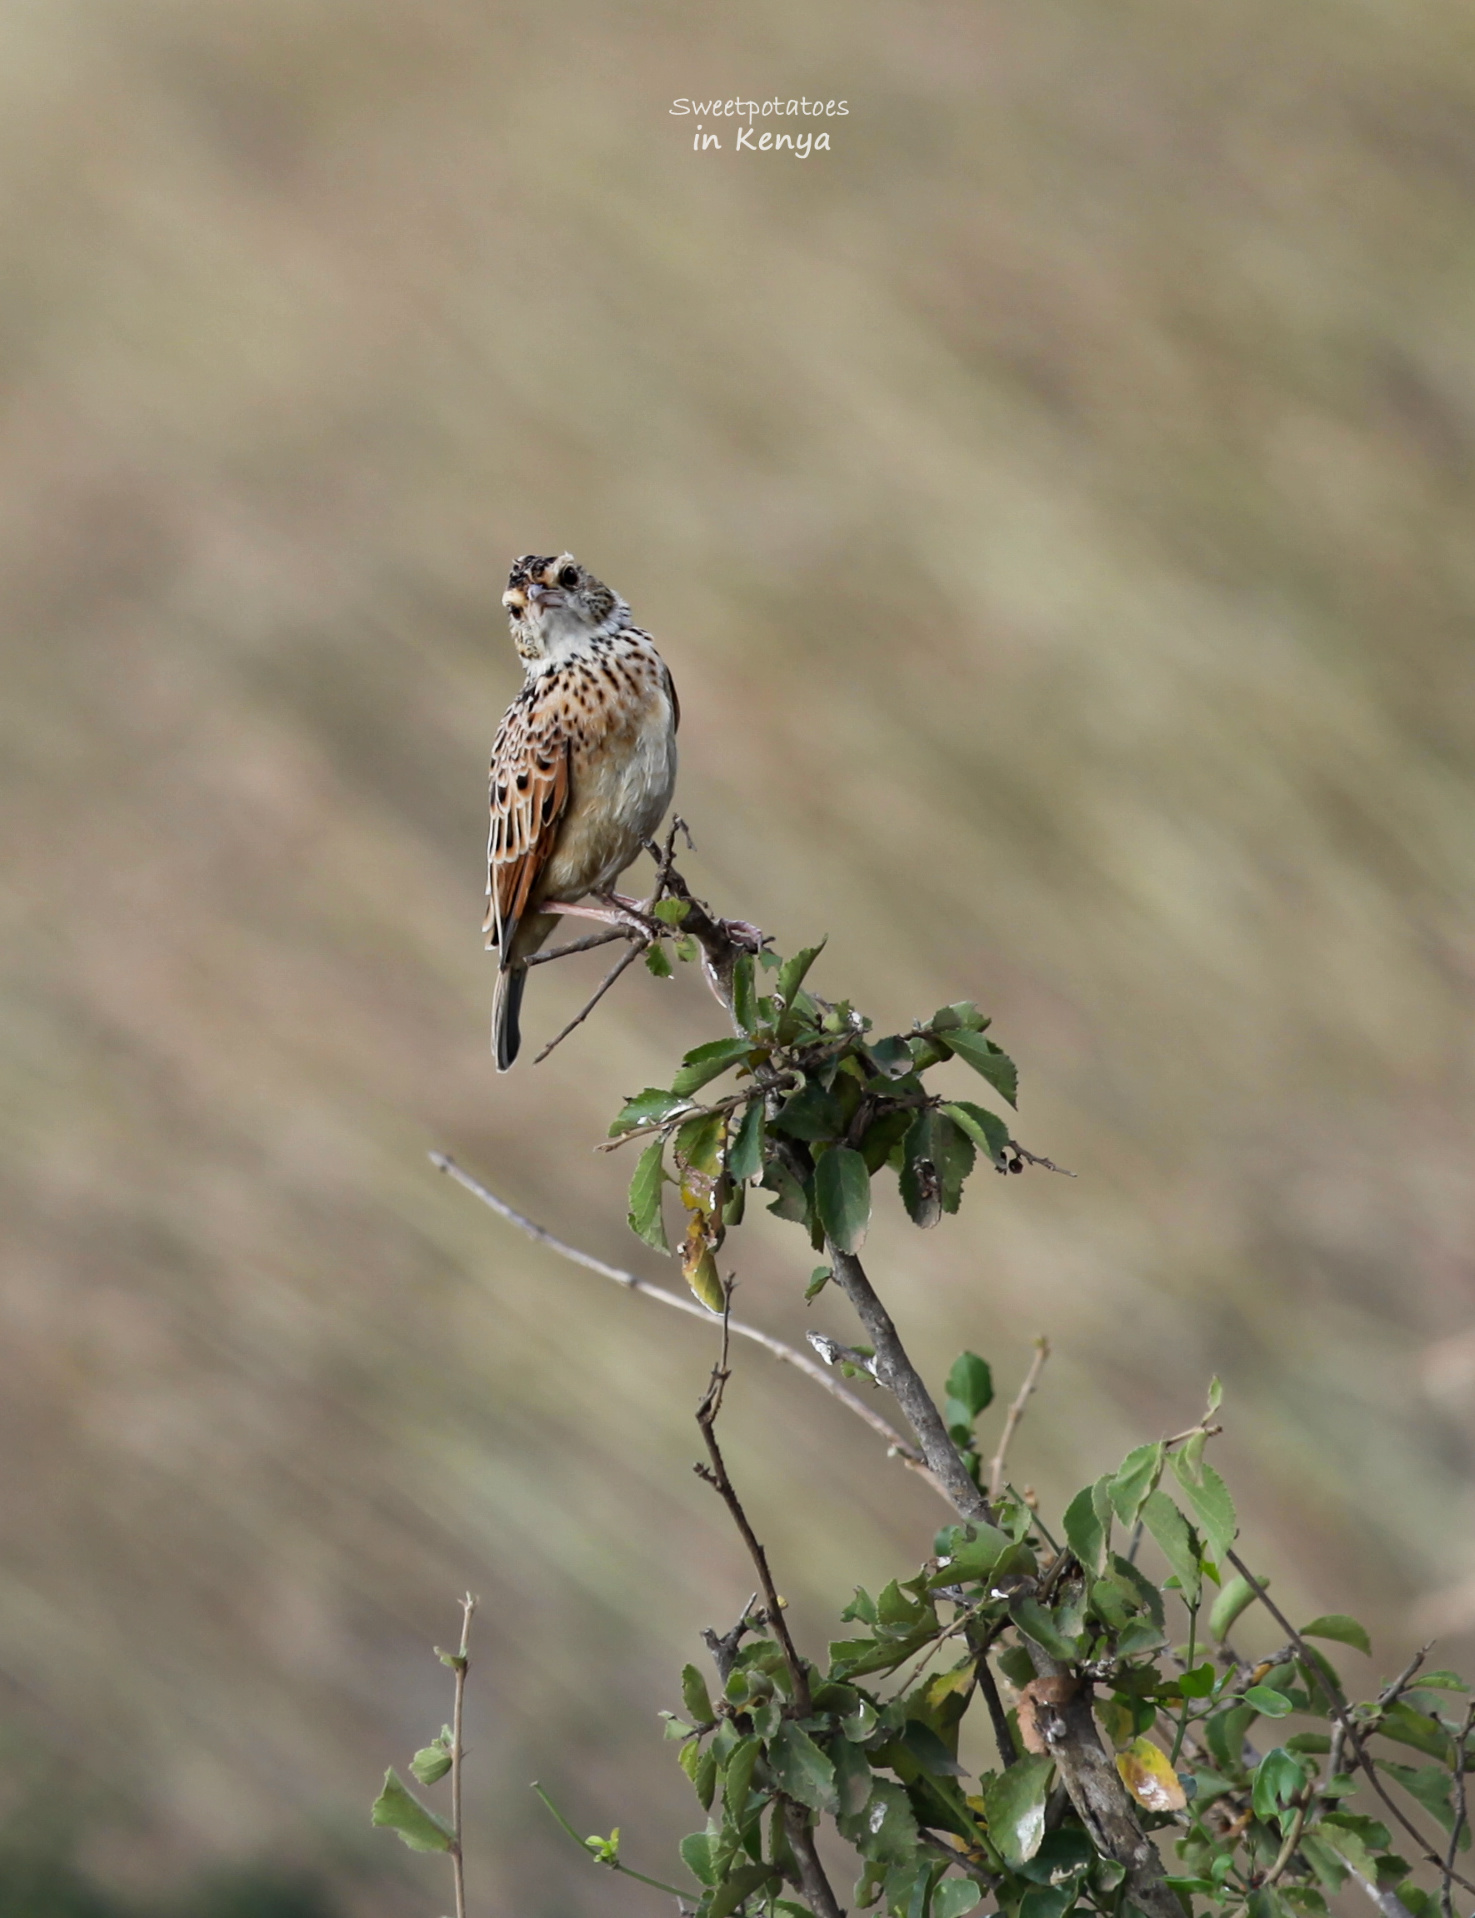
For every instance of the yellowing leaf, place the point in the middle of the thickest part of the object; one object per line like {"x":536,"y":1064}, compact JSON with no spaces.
{"x":1149,"y":1777}
{"x":699,"y":1268}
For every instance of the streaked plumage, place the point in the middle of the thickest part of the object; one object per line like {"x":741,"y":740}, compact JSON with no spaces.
{"x":583,"y":767}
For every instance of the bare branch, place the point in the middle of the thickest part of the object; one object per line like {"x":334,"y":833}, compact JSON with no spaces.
{"x":461,"y":1666}
{"x":895,"y":1444}
{"x":627,"y":960}
{"x":1015,"y":1414}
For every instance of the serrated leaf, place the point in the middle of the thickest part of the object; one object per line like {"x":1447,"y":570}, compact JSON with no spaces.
{"x":793,"y":972}
{"x":852,"y":1777}
{"x":696,"y":1855}
{"x":1236,"y":1597}
{"x":742,"y":1884}
{"x":1014,"y":1808}
{"x":706,"y":1062}
{"x":670,"y":912}
{"x":954,"y":1155}
{"x":1344,"y":1630}
{"x":1149,"y":1777}
{"x":1175,"y":1538}
{"x":1212,"y":1505}
{"x":695,"y":1697}
{"x":1084,"y":1532}
{"x":842,"y":1195}
{"x":887,"y":1829}
{"x":737,"y":1777}
{"x":656,"y":962}
{"x":801,"y":1770}
{"x":1133,"y":1480}
{"x":431,"y":1763}
{"x":644,"y":1215}
{"x":971,"y":1382}
{"x":646,"y":1108}
{"x":921,"y":1176}
{"x":985,"y":1128}
{"x":400,"y":1811}
{"x":985,"y":1057}
{"x":889,"y":1058}
{"x":810,"y":1114}
{"x":790,"y":1202}
{"x":745,"y":1152}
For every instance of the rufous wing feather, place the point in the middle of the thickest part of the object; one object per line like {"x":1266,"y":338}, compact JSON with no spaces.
{"x":529,"y":796}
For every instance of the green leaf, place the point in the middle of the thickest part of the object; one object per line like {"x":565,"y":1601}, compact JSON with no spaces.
{"x":887,"y":1829}
{"x":921,"y":1177}
{"x":1133,"y":1480}
{"x":1200,"y":1682}
{"x":1036,"y":1623}
{"x":1409,"y":1727}
{"x":1173,"y":1534}
{"x":745,"y":1152}
{"x":971,"y":1382}
{"x":701,"y":1768}
{"x":1337,"y":1626}
{"x":645,"y":1198}
{"x":852,"y":1777}
{"x":955,"y":1896}
{"x":790,"y":1202}
{"x":1212,"y":1505}
{"x":985,"y":1128}
{"x":842,"y":1193}
{"x":819,"y":1278}
{"x":954,"y":1155}
{"x":1236,"y":1597}
{"x":801,"y":1770}
{"x":889,"y":1058}
{"x":706,"y":1062}
{"x":793,"y":972}
{"x":670,"y":912}
{"x":646,"y":1108}
{"x":985,"y":1057}
{"x":1014,"y":1808}
{"x":1278,"y":1777}
{"x":1084,"y":1532}
{"x":742,"y":1884}
{"x":1268,"y":1702}
{"x":399,"y":1811}
{"x":969,"y":1558}
{"x":737,"y":1777}
{"x":431,"y":1763}
{"x":656,"y":962}
{"x":811,"y":1114}
{"x":1429,"y":1784}
{"x":695,"y":1697}
{"x":696,"y":1855}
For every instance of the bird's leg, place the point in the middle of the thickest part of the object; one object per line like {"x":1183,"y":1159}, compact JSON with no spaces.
{"x":612,"y":911}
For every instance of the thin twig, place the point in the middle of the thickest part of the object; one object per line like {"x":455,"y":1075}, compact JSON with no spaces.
{"x":998,"y":1717}
{"x":895,"y":1444}
{"x":578,"y":945}
{"x":1015,"y":1414}
{"x":460,"y":1666}
{"x":1462,"y":1816}
{"x":626,"y":960}
{"x":1339,"y":1712}
{"x":812,"y":1879}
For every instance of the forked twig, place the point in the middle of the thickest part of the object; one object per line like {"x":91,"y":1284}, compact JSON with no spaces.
{"x":895,"y":1444}
{"x":626,"y":960}
{"x":1015,"y":1414}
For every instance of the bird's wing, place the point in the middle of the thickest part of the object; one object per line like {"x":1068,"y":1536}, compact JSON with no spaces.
{"x":529,"y":795}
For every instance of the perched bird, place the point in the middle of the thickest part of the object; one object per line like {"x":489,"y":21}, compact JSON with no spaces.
{"x":582,"y":770}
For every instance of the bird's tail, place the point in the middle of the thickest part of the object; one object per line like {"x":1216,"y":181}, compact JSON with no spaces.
{"x":506,"y":1005}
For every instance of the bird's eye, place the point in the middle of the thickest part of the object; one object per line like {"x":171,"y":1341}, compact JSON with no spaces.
{"x":568,"y":578}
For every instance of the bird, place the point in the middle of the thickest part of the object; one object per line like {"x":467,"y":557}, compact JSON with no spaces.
{"x":583,"y":767}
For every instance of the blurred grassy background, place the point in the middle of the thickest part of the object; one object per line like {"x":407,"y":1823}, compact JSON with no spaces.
{"x":1055,"y":506}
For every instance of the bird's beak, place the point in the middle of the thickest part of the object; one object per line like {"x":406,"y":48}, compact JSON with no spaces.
{"x":542,"y":597}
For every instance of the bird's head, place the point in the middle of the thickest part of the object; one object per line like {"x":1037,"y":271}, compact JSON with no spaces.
{"x":556,"y":607}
